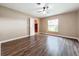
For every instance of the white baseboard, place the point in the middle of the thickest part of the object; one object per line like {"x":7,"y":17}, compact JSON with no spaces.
{"x":13,"y":39}
{"x":62,"y":36}
{"x":0,"y":49}
{"x":42,"y":33}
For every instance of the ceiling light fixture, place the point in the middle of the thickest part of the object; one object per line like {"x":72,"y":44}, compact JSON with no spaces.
{"x":44,"y":8}
{"x":38,"y":3}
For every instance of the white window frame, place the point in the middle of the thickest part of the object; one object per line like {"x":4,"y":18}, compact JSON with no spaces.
{"x":51,"y":23}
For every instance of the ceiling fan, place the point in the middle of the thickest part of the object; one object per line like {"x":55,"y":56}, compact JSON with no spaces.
{"x":43,"y":9}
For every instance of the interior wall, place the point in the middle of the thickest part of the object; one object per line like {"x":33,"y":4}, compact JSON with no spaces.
{"x":78,"y":24}
{"x":13,"y":24}
{"x":32,"y":27}
{"x":43,"y":25}
{"x":67,"y":24}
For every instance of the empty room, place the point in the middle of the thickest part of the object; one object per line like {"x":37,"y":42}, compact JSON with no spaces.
{"x":39,"y":29}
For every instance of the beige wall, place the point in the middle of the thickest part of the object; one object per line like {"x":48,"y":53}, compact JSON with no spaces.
{"x":67,"y":24}
{"x":13,"y":24}
{"x":78,"y":24}
{"x":43,"y":25}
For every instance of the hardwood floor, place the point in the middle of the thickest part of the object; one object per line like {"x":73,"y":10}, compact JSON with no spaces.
{"x":41,"y":45}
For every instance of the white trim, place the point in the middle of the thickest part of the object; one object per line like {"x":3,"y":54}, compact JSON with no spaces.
{"x":13,"y":39}
{"x":61,"y":36}
{"x":40,"y":32}
{"x":0,"y":49}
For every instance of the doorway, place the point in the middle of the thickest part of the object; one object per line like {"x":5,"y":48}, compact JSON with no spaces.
{"x":36,"y":26}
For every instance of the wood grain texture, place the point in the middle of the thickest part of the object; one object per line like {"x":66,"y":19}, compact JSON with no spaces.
{"x":41,"y":45}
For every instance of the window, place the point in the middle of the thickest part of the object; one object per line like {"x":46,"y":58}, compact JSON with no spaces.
{"x":53,"y":25}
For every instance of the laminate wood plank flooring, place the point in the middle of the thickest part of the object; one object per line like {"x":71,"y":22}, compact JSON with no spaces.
{"x":41,"y":45}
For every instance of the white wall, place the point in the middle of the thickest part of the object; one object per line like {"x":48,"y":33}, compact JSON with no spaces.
{"x":13,"y":24}
{"x":12,"y":28}
{"x":32,"y":31}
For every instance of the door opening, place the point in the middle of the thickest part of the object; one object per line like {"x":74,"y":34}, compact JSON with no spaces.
{"x":36,"y":26}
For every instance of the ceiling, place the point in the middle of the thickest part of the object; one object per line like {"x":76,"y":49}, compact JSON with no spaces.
{"x":34,"y":9}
